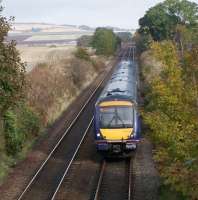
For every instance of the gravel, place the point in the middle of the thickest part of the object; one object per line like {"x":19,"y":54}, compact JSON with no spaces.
{"x":146,"y":177}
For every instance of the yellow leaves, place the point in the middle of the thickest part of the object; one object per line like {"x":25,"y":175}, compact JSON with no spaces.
{"x":191,"y":58}
{"x":173,"y":119}
{"x":165,"y":52}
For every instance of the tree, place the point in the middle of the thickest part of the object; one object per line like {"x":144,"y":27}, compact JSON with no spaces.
{"x":185,"y":11}
{"x":82,"y":54}
{"x":183,"y":38}
{"x":105,"y":41}
{"x":190,"y":67}
{"x":158,"y":23}
{"x":161,"y":20}
{"x":12,"y":70}
{"x":125,"y":36}
{"x":172,"y":117}
{"x":143,"y":41}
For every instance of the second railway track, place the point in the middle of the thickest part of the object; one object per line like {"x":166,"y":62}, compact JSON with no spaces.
{"x":115,"y":181}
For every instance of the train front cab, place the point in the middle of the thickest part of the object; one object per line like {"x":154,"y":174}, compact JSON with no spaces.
{"x":117,"y":127}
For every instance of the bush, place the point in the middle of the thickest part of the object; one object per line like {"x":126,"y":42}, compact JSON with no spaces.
{"x":143,"y":42}
{"x":81,"y":72}
{"x":50,"y":90}
{"x":28,"y":122}
{"x":53,"y":86}
{"x":81,"y":53}
{"x":20,"y":124}
{"x":13,"y":140}
{"x":98,"y":63}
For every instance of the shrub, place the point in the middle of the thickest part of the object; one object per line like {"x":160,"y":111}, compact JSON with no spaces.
{"x":81,"y":72}
{"x":98,"y":63}
{"x":28,"y":122}
{"x":46,"y":83}
{"x":13,"y":140}
{"x":53,"y":86}
{"x":81,"y":53}
{"x":143,"y":42}
{"x":19,"y":125}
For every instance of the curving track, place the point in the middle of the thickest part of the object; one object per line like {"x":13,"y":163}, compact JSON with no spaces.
{"x":47,"y":180}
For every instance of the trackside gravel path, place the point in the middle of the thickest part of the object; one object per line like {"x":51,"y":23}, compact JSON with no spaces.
{"x":146,"y":178}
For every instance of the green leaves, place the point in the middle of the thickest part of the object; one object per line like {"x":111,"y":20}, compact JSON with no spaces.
{"x":171,"y":109}
{"x":19,"y":124}
{"x":12,"y":71}
{"x":12,"y":138}
{"x":82,"y":54}
{"x":105,"y":41}
{"x":161,"y":20}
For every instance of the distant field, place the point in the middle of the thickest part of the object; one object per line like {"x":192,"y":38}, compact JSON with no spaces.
{"x":41,"y":34}
{"x":42,"y":27}
{"x":56,"y":37}
{"x":49,"y":43}
{"x":38,"y":54}
{"x":39,"y":42}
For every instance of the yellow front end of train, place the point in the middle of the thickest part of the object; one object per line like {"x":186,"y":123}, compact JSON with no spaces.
{"x":115,"y":127}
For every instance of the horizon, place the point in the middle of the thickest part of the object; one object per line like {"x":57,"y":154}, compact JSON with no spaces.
{"x":75,"y":25}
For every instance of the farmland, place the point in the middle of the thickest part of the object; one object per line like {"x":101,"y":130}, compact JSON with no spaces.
{"x":47,"y":34}
{"x":40,"y":42}
{"x":33,"y":55}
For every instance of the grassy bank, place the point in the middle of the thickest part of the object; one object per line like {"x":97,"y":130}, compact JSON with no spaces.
{"x":51,"y":87}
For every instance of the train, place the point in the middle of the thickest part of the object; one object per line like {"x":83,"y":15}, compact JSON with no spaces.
{"x":117,"y":121}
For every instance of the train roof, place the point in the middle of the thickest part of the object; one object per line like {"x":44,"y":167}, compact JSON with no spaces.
{"x":122,"y":84}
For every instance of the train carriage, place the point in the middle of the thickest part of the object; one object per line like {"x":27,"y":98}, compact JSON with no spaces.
{"x":116,"y":118}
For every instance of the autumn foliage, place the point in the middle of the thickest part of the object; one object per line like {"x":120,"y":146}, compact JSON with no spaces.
{"x":171,"y":113}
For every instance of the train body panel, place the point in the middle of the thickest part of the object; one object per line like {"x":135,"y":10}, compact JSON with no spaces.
{"x":116,"y":118}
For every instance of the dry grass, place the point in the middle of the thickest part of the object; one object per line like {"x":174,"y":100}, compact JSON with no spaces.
{"x":39,"y":54}
{"x":55,"y":37}
{"x":53,"y":86}
{"x":56,"y":78}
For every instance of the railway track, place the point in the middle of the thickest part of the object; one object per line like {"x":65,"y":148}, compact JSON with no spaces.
{"x":71,"y":186}
{"x":47,"y":180}
{"x":115,"y":180}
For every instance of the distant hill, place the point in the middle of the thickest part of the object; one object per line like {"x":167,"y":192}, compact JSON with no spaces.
{"x":51,"y":34}
{"x":46,"y":27}
{"x":87,"y":28}
{"x":42,"y":27}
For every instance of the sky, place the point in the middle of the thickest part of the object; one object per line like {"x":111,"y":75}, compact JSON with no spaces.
{"x":119,"y":13}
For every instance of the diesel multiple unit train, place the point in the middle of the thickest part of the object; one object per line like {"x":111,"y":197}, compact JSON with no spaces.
{"x":116,"y":118}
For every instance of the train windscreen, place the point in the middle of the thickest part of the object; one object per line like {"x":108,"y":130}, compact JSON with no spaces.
{"x":116,"y":117}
